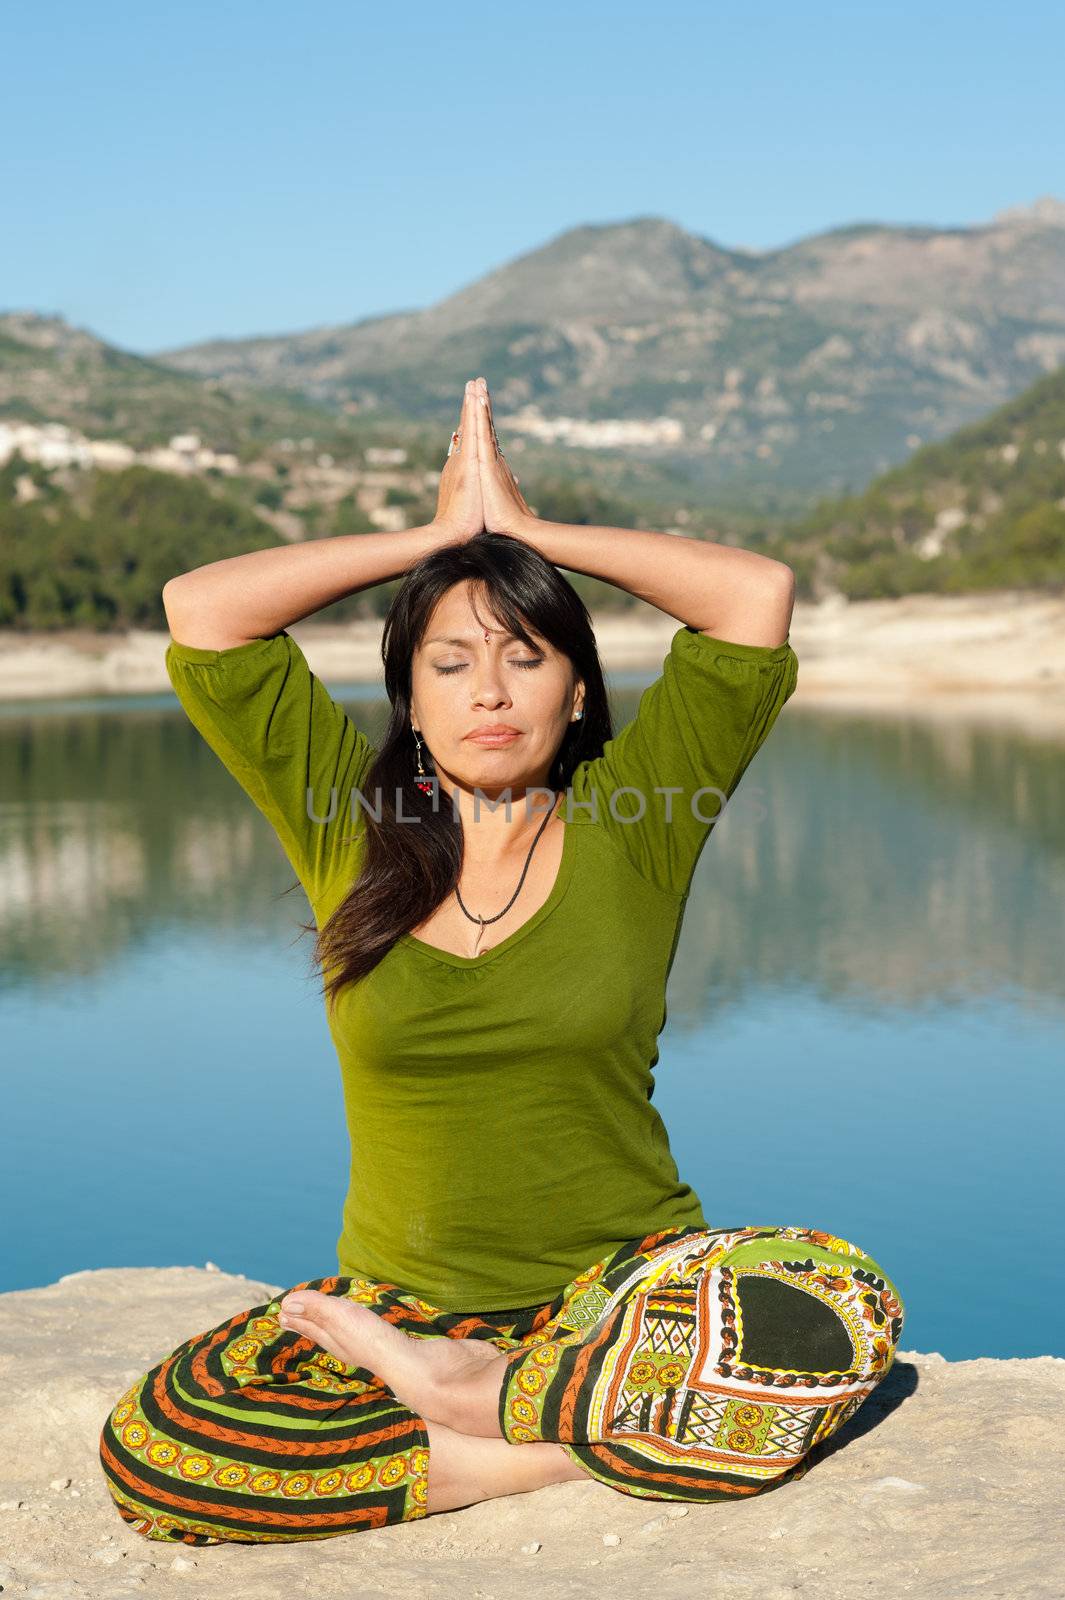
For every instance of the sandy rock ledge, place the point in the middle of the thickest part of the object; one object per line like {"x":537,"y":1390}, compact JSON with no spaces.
{"x":944,"y":1485}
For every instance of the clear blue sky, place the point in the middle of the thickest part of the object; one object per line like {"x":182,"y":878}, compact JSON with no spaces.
{"x":252,"y":167}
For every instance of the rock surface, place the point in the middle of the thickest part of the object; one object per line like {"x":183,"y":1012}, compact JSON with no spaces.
{"x":943,"y":1485}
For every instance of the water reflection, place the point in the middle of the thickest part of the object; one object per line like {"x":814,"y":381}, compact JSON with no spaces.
{"x":117,"y":822}
{"x":877,"y":863}
{"x":883,"y":864}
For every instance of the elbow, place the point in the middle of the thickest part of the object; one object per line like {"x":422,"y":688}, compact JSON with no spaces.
{"x":775,"y":602}
{"x":782,"y":579}
{"x":177,"y":586}
{"x":759,"y":610}
{"x":176,"y":598}
{"x":169,"y":597}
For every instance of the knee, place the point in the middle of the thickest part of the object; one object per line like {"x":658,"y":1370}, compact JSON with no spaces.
{"x":878,"y":1303}
{"x":131,"y":1457}
{"x":797,"y":1307}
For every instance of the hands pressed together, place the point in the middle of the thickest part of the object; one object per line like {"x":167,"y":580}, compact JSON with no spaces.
{"x":478,"y":491}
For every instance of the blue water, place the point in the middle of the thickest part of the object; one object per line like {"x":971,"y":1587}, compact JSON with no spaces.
{"x":866,"y":1027}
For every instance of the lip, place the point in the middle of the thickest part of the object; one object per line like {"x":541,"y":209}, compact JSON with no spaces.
{"x":493,"y":736}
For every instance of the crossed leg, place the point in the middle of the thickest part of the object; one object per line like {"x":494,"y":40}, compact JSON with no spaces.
{"x":800,"y":1309}
{"x":241,"y":1435}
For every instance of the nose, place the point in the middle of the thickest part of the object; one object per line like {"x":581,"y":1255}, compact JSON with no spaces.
{"x":488,"y":686}
{"x":490,"y":692}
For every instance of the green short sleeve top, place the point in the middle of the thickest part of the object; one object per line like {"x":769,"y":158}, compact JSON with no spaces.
{"x":499,"y":1106}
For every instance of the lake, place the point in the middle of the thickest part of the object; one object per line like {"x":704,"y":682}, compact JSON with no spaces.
{"x":866,"y":1027}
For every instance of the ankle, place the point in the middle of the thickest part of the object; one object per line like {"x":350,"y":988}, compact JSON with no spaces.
{"x":470,"y":1404}
{"x":465,"y":1470}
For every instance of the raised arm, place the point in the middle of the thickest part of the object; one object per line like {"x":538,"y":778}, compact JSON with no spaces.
{"x":246,"y":686}
{"x":254,"y":596}
{"x":726,"y":592}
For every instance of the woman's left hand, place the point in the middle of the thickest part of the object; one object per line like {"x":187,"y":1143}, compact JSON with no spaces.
{"x":505,"y":510}
{"x":459,"y":508}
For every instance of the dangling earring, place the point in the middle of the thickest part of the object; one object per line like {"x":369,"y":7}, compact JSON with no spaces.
{"x":426,"y":788}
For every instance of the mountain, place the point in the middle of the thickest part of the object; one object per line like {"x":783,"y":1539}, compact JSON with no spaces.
{"x":984,"y":509}
{"x":771,"y":375}
{"x":51,"y":371}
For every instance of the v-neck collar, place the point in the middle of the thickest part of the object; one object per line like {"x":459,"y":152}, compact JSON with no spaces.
{"x":561,"y":884}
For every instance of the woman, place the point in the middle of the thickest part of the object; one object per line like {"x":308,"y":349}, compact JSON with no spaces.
{"x":498,"y":893}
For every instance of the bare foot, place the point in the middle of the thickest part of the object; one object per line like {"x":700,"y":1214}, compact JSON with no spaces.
{"x":456,"y":1382}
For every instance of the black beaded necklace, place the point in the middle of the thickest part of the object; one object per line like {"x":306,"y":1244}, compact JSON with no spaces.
{"x":485,"y":921}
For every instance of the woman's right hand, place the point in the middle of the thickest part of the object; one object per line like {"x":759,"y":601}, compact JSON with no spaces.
{"x":505,"y":510}
{"x":459,"y":509}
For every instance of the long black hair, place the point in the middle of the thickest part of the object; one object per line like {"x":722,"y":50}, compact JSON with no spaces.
{"x":409,"y":869}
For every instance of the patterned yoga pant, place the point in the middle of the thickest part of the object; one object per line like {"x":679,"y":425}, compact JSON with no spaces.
{"x":690,"y":1365}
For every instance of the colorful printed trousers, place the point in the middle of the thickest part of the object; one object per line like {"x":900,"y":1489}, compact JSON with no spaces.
{"x":690,"y":1365}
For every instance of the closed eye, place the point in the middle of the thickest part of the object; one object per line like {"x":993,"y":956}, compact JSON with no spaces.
{"x":460,"y":665}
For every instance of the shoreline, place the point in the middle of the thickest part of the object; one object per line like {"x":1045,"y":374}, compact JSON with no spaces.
{"x":997,"y":656}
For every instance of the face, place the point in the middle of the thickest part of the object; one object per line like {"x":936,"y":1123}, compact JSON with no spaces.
{"x":463,"y":684}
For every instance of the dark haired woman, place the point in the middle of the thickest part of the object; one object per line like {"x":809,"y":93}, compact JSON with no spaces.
{"x":527,"y":1290}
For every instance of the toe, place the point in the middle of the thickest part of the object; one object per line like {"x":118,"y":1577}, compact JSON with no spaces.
{"x":296,"y":1297}
{"x":301,"y":1302}
{"x":321,"y":1319}
{"x":308,"y":1309}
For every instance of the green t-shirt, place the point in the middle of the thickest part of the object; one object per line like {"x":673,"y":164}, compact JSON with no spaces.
{"x":499,"y":1106}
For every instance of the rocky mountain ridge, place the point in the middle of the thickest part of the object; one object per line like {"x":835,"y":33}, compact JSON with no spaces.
{"x":808,"y":367}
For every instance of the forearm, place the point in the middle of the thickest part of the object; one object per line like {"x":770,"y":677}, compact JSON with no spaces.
{"x":255,"y":595}
{"x":705,"y":585}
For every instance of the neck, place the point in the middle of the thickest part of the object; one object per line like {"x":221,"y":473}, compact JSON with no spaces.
{"x":492,"y":826}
